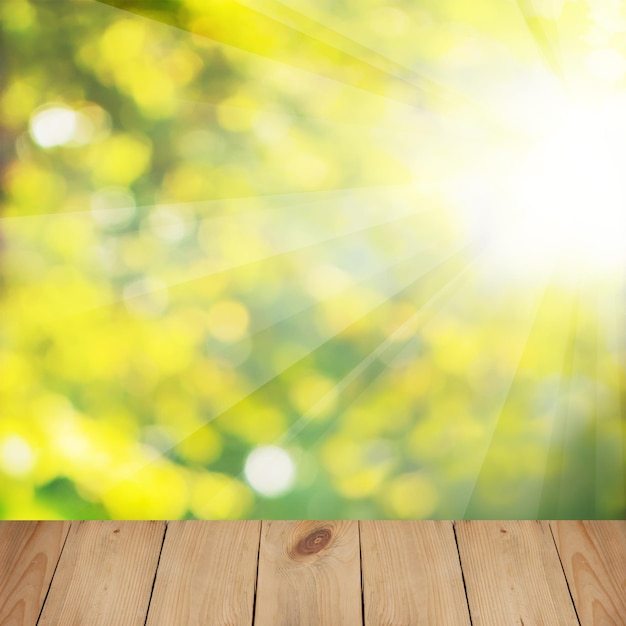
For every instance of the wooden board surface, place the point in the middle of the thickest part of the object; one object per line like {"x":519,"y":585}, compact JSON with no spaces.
{"x":29,"y":553}
{"x":373,"y":573}
{"x":513,"y":574}
{"x":207,"y":574}
{"x":105,"y":574}
{"x":411,"y":574}
{"x":594,"y":559}
{"x":309,"y":574}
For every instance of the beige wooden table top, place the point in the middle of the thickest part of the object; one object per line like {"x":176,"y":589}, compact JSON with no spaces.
{"x":154,"y":573}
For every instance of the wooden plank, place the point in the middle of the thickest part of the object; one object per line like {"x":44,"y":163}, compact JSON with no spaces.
{"x":513,"y":575}
{"x":309,"y":574}
{"x":593,"y":555}
{"x":411,"y":574}
{"x":207,"y":574}
{"x":29,"y":553}
{"x":105,"y":574}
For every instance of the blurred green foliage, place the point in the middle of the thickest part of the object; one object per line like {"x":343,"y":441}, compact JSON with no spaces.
{"x":222,"y":232}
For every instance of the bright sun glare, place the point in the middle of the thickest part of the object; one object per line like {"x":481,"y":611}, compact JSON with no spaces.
{"x":564,"y":203}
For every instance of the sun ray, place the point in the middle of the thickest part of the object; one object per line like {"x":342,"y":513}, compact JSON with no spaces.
{"x":364,"y":374}
{"x":552,"y":479}
{"x":241,"y":202}
{"x":393,"y":126}
{"x":204,"y":272}
{"x":375,"y":275}
{"x":430,"y":276}
{"x":304,"y":24}
{"x":406,"y":285}
{"x":376,"y":78}
{"x":528,"y":310}
{"x":409,"y":326}
{"x":367,"y":279}
{"x":346,"y":68}
{"x":284,"y":231}
{"x":543,"y":30}
{"x":525,"y":309}
{"x":601,"y":354}
{"x":610,"y":428}
{"x":576,"y":498}
{"x":621,"y":454}
{"x":518,"y":492}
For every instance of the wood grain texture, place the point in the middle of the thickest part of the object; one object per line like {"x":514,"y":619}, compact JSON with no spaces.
{"x":29,"y":553}
{"x":309,"y":574}
{"x":105,"y":574}
{"x":207,"y":574}
{"x":411,"y":574}
{"x":593,"y":555}
{"x":513,"y":574}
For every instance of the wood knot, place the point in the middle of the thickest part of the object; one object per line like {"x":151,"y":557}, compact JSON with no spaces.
{"x":314,"y":542}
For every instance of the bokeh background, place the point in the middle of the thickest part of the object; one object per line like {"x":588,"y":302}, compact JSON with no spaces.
{"x":312,"y":259}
